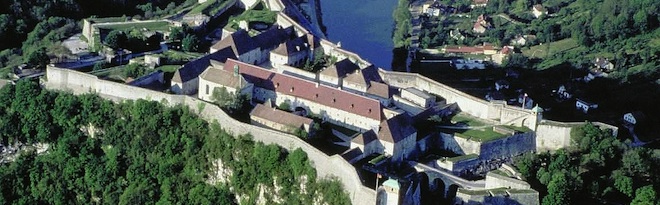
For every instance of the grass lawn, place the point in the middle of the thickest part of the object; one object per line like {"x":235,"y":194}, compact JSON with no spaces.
{"x":157,"y":25}
{"x":484,"y":135}
{"x":169,"y":68}
{"x":202,"y":7}
{"x":116,"y":72}
{"x":469,"y":120}
{"x":545,"y":50}
{"x":462,"y":157}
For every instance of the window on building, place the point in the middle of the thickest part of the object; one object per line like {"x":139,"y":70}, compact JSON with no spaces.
{"x":292,"y":89}
{"x":334,"y":100}
{"x":352,"y":105}
{"x":317,"y":95}
{"x":207,"y":89}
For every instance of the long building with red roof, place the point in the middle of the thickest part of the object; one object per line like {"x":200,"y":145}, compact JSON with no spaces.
{"x":333,"y":104}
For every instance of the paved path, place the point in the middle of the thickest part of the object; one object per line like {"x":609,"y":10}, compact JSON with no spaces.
{"x":464,"y":183}
{"x":506,"y":17}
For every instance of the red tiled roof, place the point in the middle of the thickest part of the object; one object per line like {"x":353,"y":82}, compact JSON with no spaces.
{"x":379,"y":89}
{"x":308,"y":90}
{"x":396,"y":128}
{"x":463,"y":49}
{"x":279,"y":116}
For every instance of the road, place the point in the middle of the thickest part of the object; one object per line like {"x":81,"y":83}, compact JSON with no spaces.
{"x":466,"y":184}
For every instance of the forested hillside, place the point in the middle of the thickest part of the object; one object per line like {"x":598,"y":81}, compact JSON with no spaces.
{"x":140,"y":152}
{"x":597,"y":169}
{"x":626,"y":32}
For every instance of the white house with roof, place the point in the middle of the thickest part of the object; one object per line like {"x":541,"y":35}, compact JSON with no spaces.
{"x":634,"y":118}
{"x":538,"y":10}
{"x":216,"y":77}
{"x":584,"y":105}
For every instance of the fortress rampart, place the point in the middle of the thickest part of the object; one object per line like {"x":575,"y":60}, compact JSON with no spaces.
{"x":504,"y":114}
{"x":326,"y":166}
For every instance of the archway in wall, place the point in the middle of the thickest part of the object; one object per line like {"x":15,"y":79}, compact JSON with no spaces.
{"x":451,"y":193}
{"x":301,"y":111}
{"x":438,"y":190}
{"x":425,"y":190}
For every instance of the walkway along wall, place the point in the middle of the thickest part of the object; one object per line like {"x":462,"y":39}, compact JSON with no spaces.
{"x":509,"y":115}
{"x":326,"y":166}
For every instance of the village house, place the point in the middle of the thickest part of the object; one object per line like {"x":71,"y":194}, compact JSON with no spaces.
{"x":603,"y":64}
{"x":478,"y":3}
{"x":585,"y":106}
{"x":564,"y":92}
{"x":539,"y":10}
{"x":521,"y":40}
{"x":481,"y":25}
{"x":456,"y":34}
{"x":501,"y":55}
{"x":634,"y":118}
{"x":265,"y":115}
{"x":501,"y":85}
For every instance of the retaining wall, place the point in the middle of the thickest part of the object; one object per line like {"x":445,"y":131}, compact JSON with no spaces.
{"x":503,"y":113}
{"x":326,"y":166}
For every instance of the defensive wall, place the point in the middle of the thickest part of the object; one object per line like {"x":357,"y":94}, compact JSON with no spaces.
{"x":505,"y":114}
{"x":494,"y":149}
{"x":326,"y":166}
{"x":553,"y":135}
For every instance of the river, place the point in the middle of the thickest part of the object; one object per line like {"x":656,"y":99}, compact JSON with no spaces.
{"x":363,"y":27}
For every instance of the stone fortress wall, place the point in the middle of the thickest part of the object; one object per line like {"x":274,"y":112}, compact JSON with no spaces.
{"x":326,"y":166}
{"x":505,"y":114}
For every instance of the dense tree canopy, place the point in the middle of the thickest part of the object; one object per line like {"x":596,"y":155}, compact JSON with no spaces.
{"x":598,"y":168}
{"x":139,"y":152}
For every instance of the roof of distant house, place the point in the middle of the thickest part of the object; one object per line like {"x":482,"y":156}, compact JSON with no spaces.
{"x":477,"y":2}
{"x":291,"y":46}
{"x":328,"y":96}
{"x":380,"y":89}
{"x":270,"y":38}
{"x":217,"y":74}
{"x":239,"y":41}
{"x":341,"y":68}
{"x":396,"y":128}
{"x":274,"y":115}
{"x":365,"y":138}
{"x":539,"y":7}
{"x":364,"y":76}
{"x":193,"y":69}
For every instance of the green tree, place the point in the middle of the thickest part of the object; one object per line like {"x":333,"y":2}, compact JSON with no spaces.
{"x":645,"y":195}
{"x":623,"y":183}
{"x":558,"y":190}
{"x":190,"y":43}
{"x":115,"y":39}
{"x":176,"y":33}
{"x":38,"y":58}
